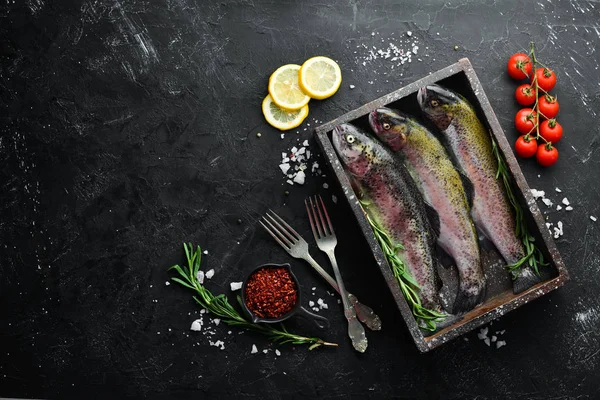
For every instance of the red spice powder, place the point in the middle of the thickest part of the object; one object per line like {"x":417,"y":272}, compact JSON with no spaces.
{"x":271,"y":292}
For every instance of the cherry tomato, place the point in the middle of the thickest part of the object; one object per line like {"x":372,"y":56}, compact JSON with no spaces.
{"x":548,"y":106}
{"x":525,"y":146}
{"x":525,"y":95}
{"x":546,"y":155}
{"x":546,"y":78}
{"x":551,"y":130}
{"x":525,"y":120}
{"x":518,"y":63}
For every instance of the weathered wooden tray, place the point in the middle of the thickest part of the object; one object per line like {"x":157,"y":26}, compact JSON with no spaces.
{"x":500,"y":298}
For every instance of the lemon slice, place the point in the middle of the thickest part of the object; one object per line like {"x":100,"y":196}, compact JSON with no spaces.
{"x":285,"y":90}
{"x":280,"y":118}
{"x":320,"y":77}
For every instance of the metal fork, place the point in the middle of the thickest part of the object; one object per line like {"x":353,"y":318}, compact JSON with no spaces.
{"x":326,"y":241}
{"x":297,"y":247}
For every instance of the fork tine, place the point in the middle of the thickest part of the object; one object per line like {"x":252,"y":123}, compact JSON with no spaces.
{"x":321,"y":218}
{"x":281,"y":230}
{"x":289,"y":228}
{"x":276,"y":234}
{"x":310,"y":219}
{"x":320,"y":229}
{"x":326,"y":216}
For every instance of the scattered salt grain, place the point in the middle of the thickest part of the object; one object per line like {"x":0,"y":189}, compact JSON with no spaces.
{"x":352,"y":86}
{"x":290,"y":182}
{"x":205,"y":252}
{"x":558,"y":207}
{"x":196,"y":325}
{"x":265,"y":351}
{"x":325,"y":186}
{"x":305,"y":143}
{"x":314,"y":288}
{"x":408,"y":33}
{"x":334,"y":198}
{"x":494,"y":338}
{"x":500,"y":343}
{"x":311,"y":303}
{"x":282,"y":135}
{"x":483,"y":333}
{"x":284,"y":168}
{"x":486,"y":341}
{"x":216,"y":321}
{"x":235,"y":286}
{"x":558,"y":190}
{"x":254,"y":349}
{"x":277,"y":352}
{"x":315,"y":309}
{"x":202,"y":311}
{"x":537,"y":193}
{"x":200,"y":277}
{"x":547,"y":202}
{"x":210,"y":273}
{"x":569,"y":208}
{"x":167,"y":283}
{"x":593,"y":218}
{"x":565,"y":201}
{"x":558,"y":231}
{"x":299,"y":178}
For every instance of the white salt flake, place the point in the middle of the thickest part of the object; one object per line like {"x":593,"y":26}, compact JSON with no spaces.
{"x":210,"y":273}
{"x":593,"y":218}
{"x":282,"y":135}
{"x":290,"y":182}
{"x":313,"y":288}
{"x":569,"y":208}
{"x":352,"y":86}
{"x":316,"y":309}
{"x":283,"y":155}
{"x":483,"y":333}
{"x":486,"y":341}
{"x":311,"y":303}
{"x":537,"y":194}
{"x":216,"y":321}
{"x":334,"y":198}
{"x":558,"y":190}
{"x":254,"y":349}
{"x":320,"y":301}
{"x":284,"y":168}
{"x":547,"y":202}
{"x":200,"y":277}
{"x":325,"y":186}
{"x":277,"y":352}
{"x":235,"y":286}
{"x":299,"y":178}
{"x":265,"y":351}
{"x":302,"y":150}
{"x":294,"y":150}
{"x":167,"y":283}
{"x":565,"y":201}
{"x":558,"y":207}
{"x":494,"y":338}
{"x":500,"y":343}
{"x":196,"y":325}
{"x":205,"y":252}
{"x":408,"y":33}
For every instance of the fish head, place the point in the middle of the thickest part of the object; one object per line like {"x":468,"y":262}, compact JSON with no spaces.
{"x":391,"y":127}
{"x":355,"y":149}
{"x":438,"y":104}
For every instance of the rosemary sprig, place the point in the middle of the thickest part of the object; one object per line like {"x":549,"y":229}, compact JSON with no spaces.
{"x":426,"y":319}
{"x":220,"y":306}
{"x":533,"y":256}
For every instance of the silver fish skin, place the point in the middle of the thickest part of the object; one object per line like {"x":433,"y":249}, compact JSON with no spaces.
{"x":471,"y":144}
{"x":444,"y":189}
{"x":396,"y":202}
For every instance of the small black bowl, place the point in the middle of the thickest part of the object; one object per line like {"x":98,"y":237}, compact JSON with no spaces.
{"x":320,"y":321}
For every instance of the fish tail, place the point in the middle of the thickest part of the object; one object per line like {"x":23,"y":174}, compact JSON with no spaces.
{"x":466,"y":301}
{"x":449,"y":320}
{"x":526,"y":279}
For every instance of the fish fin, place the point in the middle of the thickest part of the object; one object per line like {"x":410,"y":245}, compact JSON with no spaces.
{"x":469,"y":189}
{"x":465,"y":302}
{"x":526,"y":279}
{"x":450,"y":319}
{"x":434,"y":219}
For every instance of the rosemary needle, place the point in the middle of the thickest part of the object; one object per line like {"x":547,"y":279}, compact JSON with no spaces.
{"x":220,"y":306}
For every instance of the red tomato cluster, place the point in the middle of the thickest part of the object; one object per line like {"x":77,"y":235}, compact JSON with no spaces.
{"x":541,"y":106}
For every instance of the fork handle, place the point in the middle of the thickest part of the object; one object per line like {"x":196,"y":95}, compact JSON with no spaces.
{"x":365,"y":314}
{"x":356,"y":332}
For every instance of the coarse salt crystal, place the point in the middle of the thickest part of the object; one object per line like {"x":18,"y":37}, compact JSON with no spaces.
{"x":200,"y":277}
{"x":205,"y":252}
{"x":352,"y":86}
{"x":290,"y":182}
{"x":334,"y":198}
{"x":487,"y":341}
{"x":558,"y":207}
{"x":302,"y":150}
{"x":284,"y":168}
{"x":568,"y":208}
{"x":538,"y":193}
{"x":320,"y":301}
{"x":483,"y":333}
{"x":316,"y":309}
{"x":210,"y":273}
{"x":565,"y":201}
{"x":558,"y":190}
{"x":313,"y":288}
{"x":216,"y":321}
{"x":494,"y":338}
{"x":235,"y":286}
{"x":593,"y":218}
{"x":254,"y":349}
{"x":409,"y":33}
{"x":277,"y":352}
{"x":265,"y":351}
{"x":547,"y":202}
{"x":167,"y":283}
{"x":283,"y":155}
{"x":196,"y":325}
{"x":294,"y":150}
{"x":282,"y":135}
{"x":500,"y":343}
{"x":311,"y":303}
{"x":325,"y":186}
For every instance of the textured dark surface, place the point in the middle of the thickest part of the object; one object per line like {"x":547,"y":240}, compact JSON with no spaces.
{"x":128,"y":128}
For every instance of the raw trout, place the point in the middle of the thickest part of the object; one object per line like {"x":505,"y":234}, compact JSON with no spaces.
{"x":442,"y":186}
{"x":471,"y":144}
{"x":397,"y":205}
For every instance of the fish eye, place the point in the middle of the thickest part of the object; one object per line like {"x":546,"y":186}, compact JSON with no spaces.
{"x":350,"y":139}
{"x":435,"y":103}
{"x":386,"y":126}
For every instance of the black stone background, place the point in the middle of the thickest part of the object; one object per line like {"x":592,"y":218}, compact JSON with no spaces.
{"x":130,"y":127}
